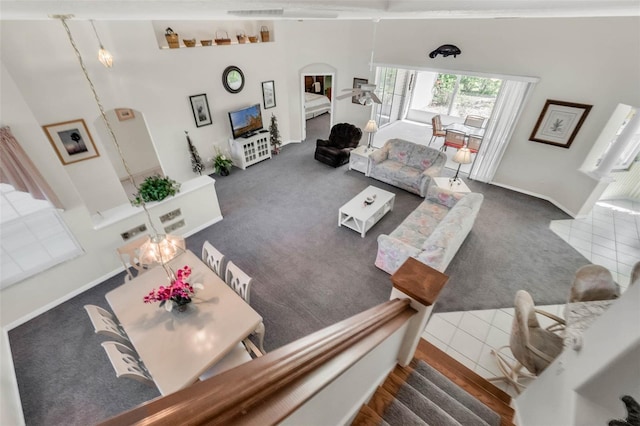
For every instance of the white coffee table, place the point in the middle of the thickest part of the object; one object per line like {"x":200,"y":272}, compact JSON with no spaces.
{"x":457,"y":186}
{"x":360,"y":217}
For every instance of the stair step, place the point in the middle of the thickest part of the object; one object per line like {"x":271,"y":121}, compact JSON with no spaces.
{"x":459,"y":404}
{"x":392,"y":410}
{"x":420,"y":404}
{"x":493,"y":397}
{"x":367,"y":417}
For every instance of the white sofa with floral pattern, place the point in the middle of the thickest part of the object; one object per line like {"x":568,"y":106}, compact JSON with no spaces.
{"x":433,"y":232}
{"x":406,"y":165}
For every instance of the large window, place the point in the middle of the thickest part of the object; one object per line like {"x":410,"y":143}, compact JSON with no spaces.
{"x":391,"y":89}
{"x":454,"y":94}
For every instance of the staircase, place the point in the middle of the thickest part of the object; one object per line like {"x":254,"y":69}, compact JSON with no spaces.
{"x":434,"y":389}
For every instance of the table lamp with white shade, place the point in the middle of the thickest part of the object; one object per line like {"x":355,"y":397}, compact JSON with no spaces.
{"x":463,"y":156}
{"x":370,"y":128}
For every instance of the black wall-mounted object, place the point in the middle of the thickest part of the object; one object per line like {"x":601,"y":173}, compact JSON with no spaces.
{"x":233,"y":79}
{"x":446,"y":50}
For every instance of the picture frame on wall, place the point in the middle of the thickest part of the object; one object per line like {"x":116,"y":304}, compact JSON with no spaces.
{"x":124,"y":114}
{"x":559,"y":123}
{"x":71,"y":140}
{"x":357,"y":82}
{"x":269,"y":94}
{"x":200,"y":108}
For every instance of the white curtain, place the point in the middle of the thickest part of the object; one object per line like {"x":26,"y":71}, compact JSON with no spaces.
{"x":507,"y":109}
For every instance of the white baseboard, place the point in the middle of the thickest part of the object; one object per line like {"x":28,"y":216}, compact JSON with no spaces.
{"x":201,"y":227}
{"x":11,"y":406}
{"x":92,"y":284}
{"x":542,"y":197}
{"x":62,"y":299}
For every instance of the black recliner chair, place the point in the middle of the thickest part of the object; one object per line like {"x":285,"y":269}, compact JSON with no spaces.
{"x":335,"y":151}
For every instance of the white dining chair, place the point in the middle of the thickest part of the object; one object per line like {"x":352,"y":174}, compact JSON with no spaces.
{"x":126,"y":362}
{"x":213,"y":258}
{"x":240,"y":354}
{"x":104,"y":323}
{"x":129,"y":255}
{"x":240,"y":282}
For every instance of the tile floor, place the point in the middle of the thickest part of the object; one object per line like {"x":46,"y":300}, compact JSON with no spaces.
{"x":609,"y":236}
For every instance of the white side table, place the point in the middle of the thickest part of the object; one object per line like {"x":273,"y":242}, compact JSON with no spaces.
{"x":457,"y":186}
{"x":359,"y":158}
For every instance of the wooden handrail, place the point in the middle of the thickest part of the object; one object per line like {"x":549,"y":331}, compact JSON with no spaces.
{"x":231,"y":395}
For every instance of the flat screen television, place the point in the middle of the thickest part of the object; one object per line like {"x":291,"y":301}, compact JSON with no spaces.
{"x":246,"y":121}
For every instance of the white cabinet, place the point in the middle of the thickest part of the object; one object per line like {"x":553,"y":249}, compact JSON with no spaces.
{"x":359,"y":159}
{"x":250,"y":150}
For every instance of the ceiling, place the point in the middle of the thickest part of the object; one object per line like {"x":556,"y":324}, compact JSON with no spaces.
{"x":312,"y":9}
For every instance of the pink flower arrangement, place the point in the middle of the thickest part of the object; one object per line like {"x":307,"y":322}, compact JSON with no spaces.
{"x":180,"y":291}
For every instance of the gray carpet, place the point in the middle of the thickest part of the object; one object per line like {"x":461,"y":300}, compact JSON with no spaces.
{"x":280,"y":226}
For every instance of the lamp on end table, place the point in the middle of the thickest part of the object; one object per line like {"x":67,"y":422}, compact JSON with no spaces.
{"x":370,"y":128}
{"x":463,"y":156}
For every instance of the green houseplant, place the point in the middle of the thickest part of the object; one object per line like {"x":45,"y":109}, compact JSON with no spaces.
{"x":222,"y":164}
{"x":155,"y":188}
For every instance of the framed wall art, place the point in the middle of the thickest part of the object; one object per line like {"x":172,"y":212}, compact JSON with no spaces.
{"x":71,"y":140}
{"x":559,"y":123}
{"x":357,"y":82}
{"x":124,"y":114}
{"x":200,"y":108}
{"x":269,"y":94}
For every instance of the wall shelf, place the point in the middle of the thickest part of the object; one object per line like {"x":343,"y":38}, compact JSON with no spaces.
{"x":210,"y":30}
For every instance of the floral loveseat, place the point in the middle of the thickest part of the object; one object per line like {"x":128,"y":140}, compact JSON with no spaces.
{"x":406,"y":165}
{"x":433,"y":232}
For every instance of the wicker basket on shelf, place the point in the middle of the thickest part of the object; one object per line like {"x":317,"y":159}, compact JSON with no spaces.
{"x":253,"y":39}
{"x":264,"y":33}
{"x":206,"y":42}
{"x":222,"y":40}
{"x":172,"y":38}
{"x":189,"y":42}
{"x":242,"y":38}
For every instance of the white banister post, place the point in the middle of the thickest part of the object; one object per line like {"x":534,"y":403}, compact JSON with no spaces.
{"x":421,"y":284}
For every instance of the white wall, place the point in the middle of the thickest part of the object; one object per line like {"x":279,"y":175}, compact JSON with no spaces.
{"x":134,"y":141}
{"x":567,"y":54}
{"x":100,"y":258}
{"x":49,"y":86}
{"x":594,"y":61}
{"x":42,"y":83}
{"x":309,"y":47}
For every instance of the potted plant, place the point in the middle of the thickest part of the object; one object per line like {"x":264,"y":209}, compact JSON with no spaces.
{"x":155,"y":188}
{"x":180,"y":292}
{"x":222,"y":164}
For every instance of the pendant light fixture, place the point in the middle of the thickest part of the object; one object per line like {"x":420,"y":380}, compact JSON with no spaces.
{"x":160,"y":248}
{"x":104,"y":56}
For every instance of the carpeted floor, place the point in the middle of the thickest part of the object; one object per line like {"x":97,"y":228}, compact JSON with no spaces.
{"x":280,"y":226}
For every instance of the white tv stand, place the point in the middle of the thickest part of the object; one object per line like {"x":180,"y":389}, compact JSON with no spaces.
{"x":248,"y":151}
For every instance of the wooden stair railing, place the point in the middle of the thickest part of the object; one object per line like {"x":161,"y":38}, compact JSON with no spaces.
{"x":270,"y":388}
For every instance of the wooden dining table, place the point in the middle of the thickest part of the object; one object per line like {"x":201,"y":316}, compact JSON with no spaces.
{"x":177,"y":347}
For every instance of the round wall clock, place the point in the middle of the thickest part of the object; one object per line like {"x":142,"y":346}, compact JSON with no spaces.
{"x":233,"y":79}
